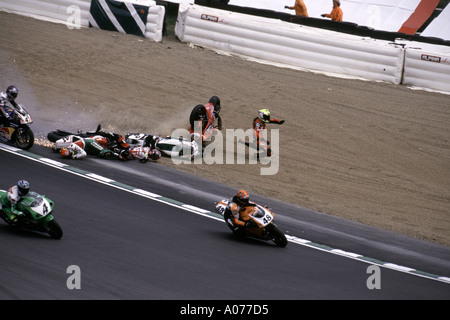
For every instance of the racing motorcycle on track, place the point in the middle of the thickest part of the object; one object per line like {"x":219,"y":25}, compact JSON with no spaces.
{"x":37,"y":213}
{"x":168,"y":145}
{"x":17,"y":131}
{"x":262,"y":227}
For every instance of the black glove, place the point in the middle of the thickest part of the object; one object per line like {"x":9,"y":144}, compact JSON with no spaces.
{"x":286,"y":7}
{"x":282,"y":121}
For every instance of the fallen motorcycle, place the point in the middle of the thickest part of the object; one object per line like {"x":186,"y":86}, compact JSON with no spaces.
{"x":95,"y":145}
{"x":99,"y":143}
{"x":112,"y":139}
{"x":168,"y":145}
{"x":205,"y":120}
{"x":18,"y":131}
{"x":37,"y":213}
{"x":262,"y":227}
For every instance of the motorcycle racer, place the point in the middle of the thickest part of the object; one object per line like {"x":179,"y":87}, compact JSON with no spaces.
{"x":148,"y":150}
{"x":92,"y":146}
{"x":73,"y":151}
{"x":10,"y":96}
{"x":15,"y":194}
{"x":237,"y":209}
{"x":259,"y":124}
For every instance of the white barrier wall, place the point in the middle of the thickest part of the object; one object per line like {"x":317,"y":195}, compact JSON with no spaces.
{"x":155,"y":23}
{"x":66,"y":11}
{"x":49,"y":10}
{"x":427,"y":66}
{"x":290,"y":44}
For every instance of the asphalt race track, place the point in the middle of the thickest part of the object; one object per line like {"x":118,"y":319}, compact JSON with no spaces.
{"x":132,"y":247}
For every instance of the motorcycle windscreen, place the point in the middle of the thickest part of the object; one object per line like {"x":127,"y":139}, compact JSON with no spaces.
{"x":258,"y":212}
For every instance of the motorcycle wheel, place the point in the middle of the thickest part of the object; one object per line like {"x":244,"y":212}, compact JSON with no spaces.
{"x":25,"y":139}
{"x":54,"y":136}
{"x":2,"y":215}
{"x":197,"y":113}
{"x":54,"y":229}
{"x":278,"y":237}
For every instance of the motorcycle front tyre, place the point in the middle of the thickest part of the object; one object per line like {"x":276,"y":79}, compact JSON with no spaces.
{"x":278,"y":237}
{"x":26,"y":140}
{"x":54,"y":229}
{"x":197,"y":113}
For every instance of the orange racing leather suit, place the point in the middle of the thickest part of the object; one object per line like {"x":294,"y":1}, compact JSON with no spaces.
{"x":258,"y":127}
{"x":240,"y":214}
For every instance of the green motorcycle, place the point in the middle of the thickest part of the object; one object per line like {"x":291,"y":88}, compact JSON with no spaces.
{"x":37,"y":213}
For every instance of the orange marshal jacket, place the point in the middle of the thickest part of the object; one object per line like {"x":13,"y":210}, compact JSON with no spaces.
{"x":300,"y":8}
{"x":336,"y":14}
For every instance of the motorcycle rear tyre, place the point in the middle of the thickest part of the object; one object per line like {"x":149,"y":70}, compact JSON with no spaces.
{"x":197,"y":112}
{"x":25,"y":143}
{"x":54,"y":136}
{"x":54,"y":229}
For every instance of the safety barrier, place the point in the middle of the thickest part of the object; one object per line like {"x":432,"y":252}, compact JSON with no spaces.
{"x":289,"y":44}
{"x":75,"y":13}
{"x":313,"y":49}
{"x":427,"y":66}
{"x":49,"y":10}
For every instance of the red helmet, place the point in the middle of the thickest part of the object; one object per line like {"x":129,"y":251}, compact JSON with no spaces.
{"x":64,"y":152}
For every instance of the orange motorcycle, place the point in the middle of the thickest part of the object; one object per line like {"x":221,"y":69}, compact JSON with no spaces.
{"x":262,"y":224}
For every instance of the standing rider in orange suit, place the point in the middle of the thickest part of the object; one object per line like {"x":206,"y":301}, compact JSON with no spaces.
{"x":259,"y":125}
